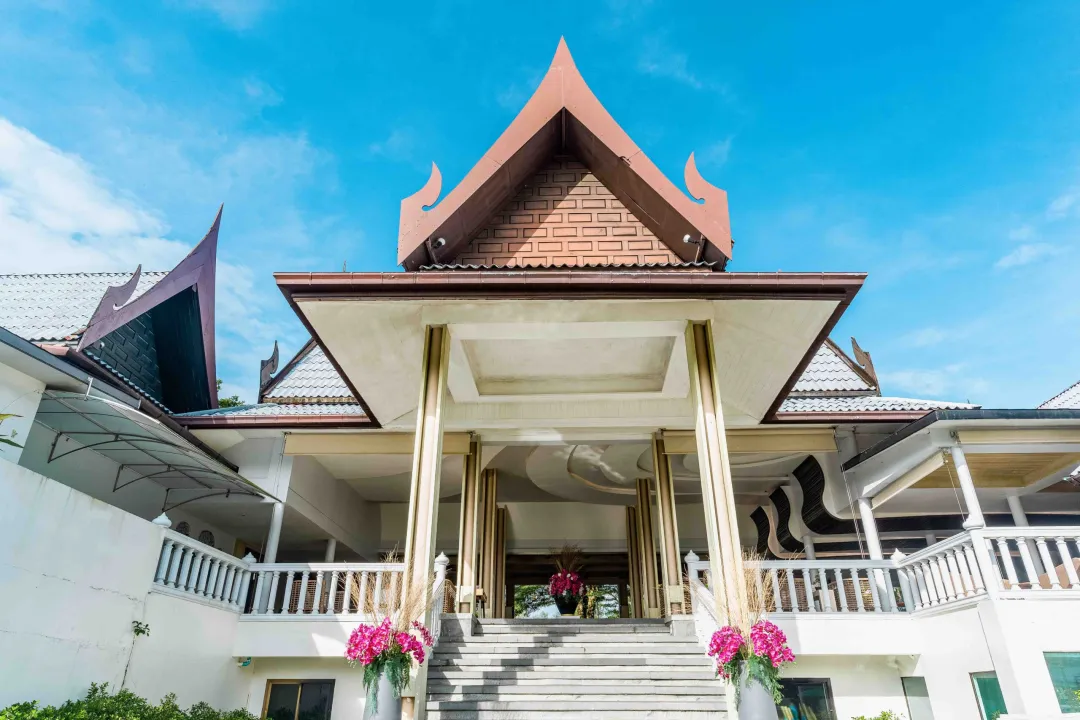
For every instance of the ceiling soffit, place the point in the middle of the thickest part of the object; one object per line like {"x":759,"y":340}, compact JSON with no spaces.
{"x":564,"y":115}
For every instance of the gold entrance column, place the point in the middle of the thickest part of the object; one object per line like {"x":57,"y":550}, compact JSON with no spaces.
{"x":489,"y":482}
{"x":646,"y":541}
{"x":468,"y":532}
{"x":667,"y":528}
{"x":500,"y":563}
{"x":633,"y":550}
{"x":427,"y":459}
{"x":725,"y":550}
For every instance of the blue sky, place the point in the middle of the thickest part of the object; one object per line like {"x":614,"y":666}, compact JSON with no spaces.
{"x":938,"y":152}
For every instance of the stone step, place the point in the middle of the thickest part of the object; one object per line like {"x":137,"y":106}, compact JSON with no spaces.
{"x":574,"y":626}
{"x":577,"y":676}
{"x":442,"y":691}
{"x":564,"y":662}
{"x":554,"y":705}
{"x":614,"y":649}
{"x":563,"y":638}
{"x":575,"y":715}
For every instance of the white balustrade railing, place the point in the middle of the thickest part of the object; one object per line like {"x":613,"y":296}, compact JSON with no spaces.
{"x":1030,"y":561}
{"x":187,"y":567}
{"x":942,"y":574}
{"x":830,"y":586}
{"x":310,"y":589}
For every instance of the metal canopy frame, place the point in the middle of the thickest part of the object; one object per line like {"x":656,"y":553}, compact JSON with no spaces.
{"x":140,"y":445}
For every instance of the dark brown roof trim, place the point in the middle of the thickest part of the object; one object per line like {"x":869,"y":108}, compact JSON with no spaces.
{"x":325,"y":422}
{"x":696,"y":265}
{"x":855,"y":367}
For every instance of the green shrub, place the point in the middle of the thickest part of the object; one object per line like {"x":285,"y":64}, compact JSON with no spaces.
{"x":883,"y":715}
{"x":99,"y":704}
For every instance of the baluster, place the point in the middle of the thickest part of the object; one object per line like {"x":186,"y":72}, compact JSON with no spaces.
{"x":926,"y":597}
{"x":286,"y":600}
{"x":273,"y":594}
{"x":841,"y":591}
{"x":163,"y":561}
{"x":224,"y":581}
{"x":955,"y":581}
{"x":196,"y":568}
{"x":904,"y":577}
{"x":204,"y":574}
{"x":234,"y":589}
{"x":242,"y":596}
{"x":1007,"y":561}
{"x":826,"y":595}
{"x":960,"y":561}
{"x":362,"y":606}
{"x":774,"y":575}
{"x":976,"y":571}
{"x":1048,"y":563}
{"x":346,"y":601}
{"x":174,"y":565}
{"x":185,"y":570}
{"x":943,"y":576}
{"x":378,"y":592}
{"x":1067,"y":561}
{"x":302,"y":604}
{"x":1029,"y":566}
{"x":792,"y":595}
{"x":211,"y":578}
{"x":331,"y":596}
{"x":316,"y":603}
{"x":808,"y":587}
{"x":860,"y":605}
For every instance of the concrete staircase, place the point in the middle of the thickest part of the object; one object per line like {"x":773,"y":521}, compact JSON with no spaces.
{"x":571,"y":670}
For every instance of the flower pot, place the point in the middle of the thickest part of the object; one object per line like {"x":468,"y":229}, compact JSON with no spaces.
{"x":567,"y":604}
{"x":755,"y":702}
{"x":389,"y":706}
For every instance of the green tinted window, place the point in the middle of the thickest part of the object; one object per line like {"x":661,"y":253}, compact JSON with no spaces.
{"x":988,"y":692}
{"x":1065,"y":674}
{"x":806,"y":700}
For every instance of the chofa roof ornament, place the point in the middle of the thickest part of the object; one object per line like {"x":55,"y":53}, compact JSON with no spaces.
{"x":267,"y":368}
{"x":564,"y":116}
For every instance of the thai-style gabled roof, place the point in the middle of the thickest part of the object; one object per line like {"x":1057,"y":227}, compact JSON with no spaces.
{"x":309,"y":378}
{"x":832,"y":372}
{"x":564,"y":118}
{"x":1065,"y":400}
{"x":152,"y":332}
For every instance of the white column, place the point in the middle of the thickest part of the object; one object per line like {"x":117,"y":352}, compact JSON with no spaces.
{"x":1020,"y":520}
{"x":873,"y":542}
{"x":331,"y":550}
{"x":931,"y":539}
{"x":273,"y":539}
{"x":967,"y":488}
{"x":808,"y":544}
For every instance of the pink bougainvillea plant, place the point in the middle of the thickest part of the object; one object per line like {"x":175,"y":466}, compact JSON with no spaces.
{"x":566,"y":583}
{"x":760,"y":659}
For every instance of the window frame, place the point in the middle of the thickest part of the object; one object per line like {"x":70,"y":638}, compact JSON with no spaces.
{"x":300,"y":691}
{"x":824,"y":681}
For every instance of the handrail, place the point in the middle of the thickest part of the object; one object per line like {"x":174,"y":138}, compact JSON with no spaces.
{"x":189,"y":568}
{"x":323,"y":566}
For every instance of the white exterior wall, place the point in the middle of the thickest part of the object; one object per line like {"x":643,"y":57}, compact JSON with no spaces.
{"x":334,"y":506}
{"x":860,"y":685}
{"x":74,"y":573}
{"x":348,"y":701}
{"x":189,"y":651}
{"x":19,"y":395}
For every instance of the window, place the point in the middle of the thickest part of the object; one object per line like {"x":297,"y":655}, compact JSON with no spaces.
{"x":184,"y":528}
{"x":918,"y":699}
{"x":298,"y":699}
{"x":988,"y":693}
{"x":1065,"y":674}
{"x":206,"y":538}
{"x":806,"y":700}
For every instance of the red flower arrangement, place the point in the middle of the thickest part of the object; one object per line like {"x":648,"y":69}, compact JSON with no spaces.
{"x":566,"y":583}
{"x":761,"y":658}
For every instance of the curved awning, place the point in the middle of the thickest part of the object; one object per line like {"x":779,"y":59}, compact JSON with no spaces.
{"x":143,"y":447}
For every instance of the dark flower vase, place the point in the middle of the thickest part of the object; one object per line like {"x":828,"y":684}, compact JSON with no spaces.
{"x":567,"y":604}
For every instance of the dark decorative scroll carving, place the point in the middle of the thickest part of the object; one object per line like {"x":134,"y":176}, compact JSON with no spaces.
{"x":267,"y":368}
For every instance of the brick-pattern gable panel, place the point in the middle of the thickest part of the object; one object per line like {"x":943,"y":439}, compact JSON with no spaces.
{"x":564,"y":216}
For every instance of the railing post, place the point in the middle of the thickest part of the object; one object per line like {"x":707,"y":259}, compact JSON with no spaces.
{"x":988,"y":569}
{"x":905,"y":587}
{"x":245,"y":583}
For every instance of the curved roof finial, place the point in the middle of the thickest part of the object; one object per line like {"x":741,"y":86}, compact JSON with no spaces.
{"x":117,"y":296}
{"x":414,"y":206}
{"x":267,"y":368}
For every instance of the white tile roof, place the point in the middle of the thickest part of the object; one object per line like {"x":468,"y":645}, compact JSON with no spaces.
{"x":1065,"y":400}
{"x":866,"y":403}
{"x":313,"y":377}
{"x":273,"y":409}
{"x":828,"y":372}
{"x":55,"y":306}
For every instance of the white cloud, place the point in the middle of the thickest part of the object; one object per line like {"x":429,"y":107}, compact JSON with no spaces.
{"x":398,"y":145}
{"x":1026,"y":254}
{"x":660,"y":61}
{"x":951,"y":382}
{"x":925,"y":337}
{"x":1061,"y":205}
{"x":1022,"y":233}
{"x":57,"y":215}
{"x":716,"y":154}
{"x":261,"y":93}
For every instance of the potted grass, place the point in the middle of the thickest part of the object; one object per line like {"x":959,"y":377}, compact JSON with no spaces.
{"x":749,"y":650}
{"x":388,"y":646}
